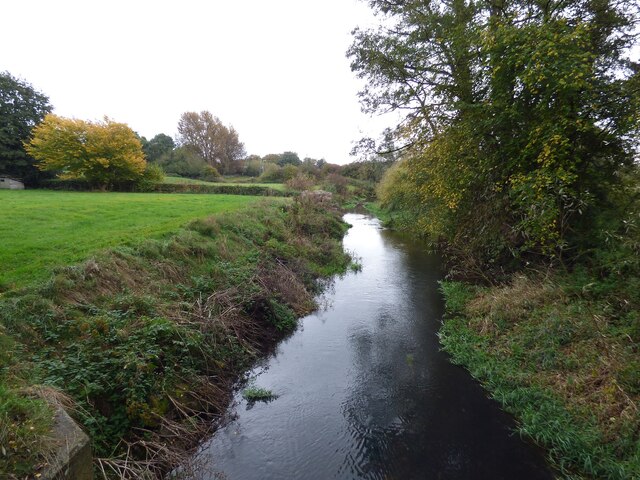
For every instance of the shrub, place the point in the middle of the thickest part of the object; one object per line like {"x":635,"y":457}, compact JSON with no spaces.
{"x":210,"y":174}
{"x":272,"y":174}
{"x":299,"y":183}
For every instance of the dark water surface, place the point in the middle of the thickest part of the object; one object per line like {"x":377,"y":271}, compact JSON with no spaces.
{"x":364,"y":391}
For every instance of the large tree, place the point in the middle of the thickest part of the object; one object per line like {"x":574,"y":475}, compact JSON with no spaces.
{"x":21,"y":108}
{"x":158,"y":146}
{"x":104,"y":153}
{"x":520,"y":115}
{"x":216,"y":143}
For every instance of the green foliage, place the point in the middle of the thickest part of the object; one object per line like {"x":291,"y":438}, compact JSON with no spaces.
{"x":289,"y":171}
{"x":272,"y":174}
{"x":153,"y":174}
{"x":211,"y":174}
{"x":253,"y":166}
{"x":183,"y":162}
{"x":457,"y":295}
{"x":289,"y":158}
{"x":157,"y":147}
{"x":21,"y":108}
{"x":281,"y":316}
{"x":520,"y":121}
{"x":257,"y":394}
{"x":368,"y":170}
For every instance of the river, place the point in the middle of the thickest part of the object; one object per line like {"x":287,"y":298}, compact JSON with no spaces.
{"x":363,"y":390}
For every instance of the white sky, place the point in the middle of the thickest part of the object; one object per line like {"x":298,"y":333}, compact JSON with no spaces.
{"x":274,"y":69}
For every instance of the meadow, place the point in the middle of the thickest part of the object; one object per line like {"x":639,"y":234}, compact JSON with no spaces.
{"x":236,"y":181}
{"x":45,"y":229}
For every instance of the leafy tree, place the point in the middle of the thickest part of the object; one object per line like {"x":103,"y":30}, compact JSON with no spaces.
{"x":272,"y":173}
{"x":253,"y":166}
{"x":21,"y":108}
{"x":158,"y":146}
{"x":520,"y":117}
{"x":368,"y":170}
{"x":289,"y":171}
{"x":289,"y":158}
{"x":104,"y":153}
{"x":271,"y":158}
{"x":217,"y":144}
{"x":184,"y":162}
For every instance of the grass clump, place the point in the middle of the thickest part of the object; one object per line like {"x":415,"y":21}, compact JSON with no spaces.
{"x":254,"y":393}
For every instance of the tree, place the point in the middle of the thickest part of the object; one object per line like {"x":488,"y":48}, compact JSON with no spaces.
{"x":519,"y":118}
{"x":158,"y":146}
{"x":104,"y":153}
{"x":21,"y":108}
{"x":184,"y":162}
{"x":289,"y":158}
{"x":253,"y":166}
{"x":217,"y":144}
{"x":271,"y":158}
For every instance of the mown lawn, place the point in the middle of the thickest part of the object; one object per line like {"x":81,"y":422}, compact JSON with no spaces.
{"x":41,"y":229}
{"x":237,"y":181}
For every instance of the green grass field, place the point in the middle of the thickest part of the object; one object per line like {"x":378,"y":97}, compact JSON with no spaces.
{"x":41,"y":229}
{"x":230,"y":181}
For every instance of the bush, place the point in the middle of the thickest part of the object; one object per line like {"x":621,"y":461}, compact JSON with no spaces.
{"x":336,"y":183}
{"x":299,"y":183}
{"x":272,"y":174}
{"x":183,"y":162}
{"x":210,"y":174}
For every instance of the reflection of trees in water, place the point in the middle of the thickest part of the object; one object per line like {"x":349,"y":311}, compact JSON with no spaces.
{"x":390,"y":411}
{"x":410,"y":414}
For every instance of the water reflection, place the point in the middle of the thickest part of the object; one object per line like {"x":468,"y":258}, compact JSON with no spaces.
{"x":364,"y":391}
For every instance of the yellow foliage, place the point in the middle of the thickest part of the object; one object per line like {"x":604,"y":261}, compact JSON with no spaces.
{"x":104,"y":152}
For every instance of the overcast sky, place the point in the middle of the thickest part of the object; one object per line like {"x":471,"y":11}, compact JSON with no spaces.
{"x":276,"y":70}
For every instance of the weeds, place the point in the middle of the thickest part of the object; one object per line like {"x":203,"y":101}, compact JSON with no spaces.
{"x":254,"y":393}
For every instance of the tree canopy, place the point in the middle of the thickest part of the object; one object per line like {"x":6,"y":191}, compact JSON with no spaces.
{"x":158,"y":146}
{"x":105,"y":153}
{"x":216,"y":143}
{"x":520,"y":117}
{"x":21,"y":108}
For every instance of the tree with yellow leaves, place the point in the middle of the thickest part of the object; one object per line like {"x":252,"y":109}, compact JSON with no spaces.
{"x":103,"y":153}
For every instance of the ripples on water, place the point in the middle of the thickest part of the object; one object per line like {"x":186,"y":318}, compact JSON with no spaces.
{"x":364,"y":391}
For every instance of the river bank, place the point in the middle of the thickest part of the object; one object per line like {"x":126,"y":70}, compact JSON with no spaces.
{"x":362,"y":389}
{"x":559,"y":352}
{"x":144,"y":343}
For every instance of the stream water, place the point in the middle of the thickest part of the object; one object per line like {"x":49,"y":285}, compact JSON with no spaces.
{"x":363,"y":390}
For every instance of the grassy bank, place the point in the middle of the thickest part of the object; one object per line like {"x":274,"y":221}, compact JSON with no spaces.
{"x":45,"y":229}
{"x":236,"y":181}
{"x":147,"y":339}
{"x":561,"y":354}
